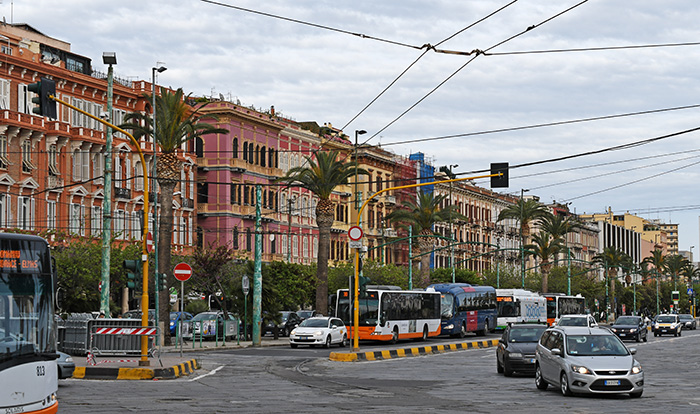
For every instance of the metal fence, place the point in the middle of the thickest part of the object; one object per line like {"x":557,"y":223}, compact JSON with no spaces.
{"x":75,"y":337}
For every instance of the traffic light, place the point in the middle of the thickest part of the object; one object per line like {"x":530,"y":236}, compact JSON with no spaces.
{"x":364,"y":281}
{"x":133,"y":274}
{"x":499,"y":181}
{"x":162,"y":280}
{"x":675,"y":295}
{"x":45,"y":106}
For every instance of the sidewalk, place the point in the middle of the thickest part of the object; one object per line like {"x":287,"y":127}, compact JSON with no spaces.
{"x":170,"y":365}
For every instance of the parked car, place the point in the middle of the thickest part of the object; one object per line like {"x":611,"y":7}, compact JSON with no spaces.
{"x":66,"y":366}
{"x":516,"y":348}
{"x":630,"y":327}
{"x":306,"y":314}
{"x":284,"y":323}
{"x":175,"y":320}
{"x":687,"y":321}
{"x":668,"y":324}
{"x":577,"y":320}
{"x":319,"y":331}
{"x":587,"y":360}
{"x":211,"y":325}
{"x":136,"y":314}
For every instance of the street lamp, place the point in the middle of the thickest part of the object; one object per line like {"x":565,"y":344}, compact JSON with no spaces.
{"x":356,"y":289}
{"x":357,"y":195}
{"x":522,"y":248}
{"x":452,"y":234}
{"x":159,"y":69}
{"x":109,"y":58}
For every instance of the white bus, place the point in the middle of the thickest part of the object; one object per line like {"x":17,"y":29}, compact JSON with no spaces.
{"x":520,"y":306}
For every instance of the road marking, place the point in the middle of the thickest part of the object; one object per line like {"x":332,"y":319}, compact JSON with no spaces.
{"x":214,"y":371}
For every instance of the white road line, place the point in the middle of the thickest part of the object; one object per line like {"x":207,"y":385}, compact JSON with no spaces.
{"x":212,"y":372}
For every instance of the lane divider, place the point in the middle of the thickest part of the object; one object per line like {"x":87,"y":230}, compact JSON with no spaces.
{"x":409,"y":352}
{"x":116,"y":373}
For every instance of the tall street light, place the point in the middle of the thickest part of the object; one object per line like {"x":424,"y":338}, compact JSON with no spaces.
{"x":522,"y":247}
{"x":354,"y":299}
{"x":154,"y":70}
{"x":108,"y":58}
{"x":452,"y":234}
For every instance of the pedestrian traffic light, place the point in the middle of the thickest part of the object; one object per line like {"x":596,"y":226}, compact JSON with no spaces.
{"x":162,"y":280}
{"x":364,"y":281}
{"x":501,"y":180}
{"x":45,"y":106}
{"x":133,"y":274}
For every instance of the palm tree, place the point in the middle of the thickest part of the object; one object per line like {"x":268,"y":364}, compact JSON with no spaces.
{"x":544,"y":247}
{"x":657,"y":259}
{"x":176,"y":124}
{"x":559,"y":226}
{"x":422,"y":214}
{"x":613,"y":259}
{"x":674,"y":265}
{"x":321,"y":174}
{"x":525,"y":212}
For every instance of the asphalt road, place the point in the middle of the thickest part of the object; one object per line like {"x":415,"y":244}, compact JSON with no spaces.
{"x":303,"y":380}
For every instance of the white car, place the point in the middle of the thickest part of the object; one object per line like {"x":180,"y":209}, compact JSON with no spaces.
{"x":319,"y":331}
{"x":577,"y":320}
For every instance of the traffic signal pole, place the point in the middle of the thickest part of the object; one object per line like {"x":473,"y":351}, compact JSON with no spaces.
{"x":356,"y":301}
{"x":144,"y":246}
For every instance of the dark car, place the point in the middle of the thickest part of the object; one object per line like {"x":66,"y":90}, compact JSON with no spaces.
{"x":630,"y":327}
{"x":688,"y":321}
{"x":175,"y":320}
{"x":136,"y":314}
{"x":284,"y":323}
{"x":306,"y":314}
{"x":66,"y":366}
{"x":516,"y":348}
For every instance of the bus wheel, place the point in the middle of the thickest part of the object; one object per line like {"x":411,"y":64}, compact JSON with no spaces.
{"x":463,"y":330}
{"x":394,"y":336}
{"x":425,"y":334}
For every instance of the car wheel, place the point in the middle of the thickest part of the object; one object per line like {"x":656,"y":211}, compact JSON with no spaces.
{"x":293,"y":345}
{"x":645,"y":337}
{"x":507,"y":371}
{"x":540,"y":383}
{"x":344,"y":342}
{"x":564,"y":385}
{"x":499,"y":367}
{"x":638,"y":338}
{"x":636,"y":394}
{"x":680,"y":332}
{"x":328,"y":341}
{"x":656,"y":334}
{"x":285,"y":331}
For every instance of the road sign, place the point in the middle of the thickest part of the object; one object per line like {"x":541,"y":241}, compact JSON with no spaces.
{"x":245,"y":284}
{"x":355,"y":233}
{"x":690,"y":291}
{"x":149,"y":242}
{"x":355,"y":244}
{"x":182,"y":272}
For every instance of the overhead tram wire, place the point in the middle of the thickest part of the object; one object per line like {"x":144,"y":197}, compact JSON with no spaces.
{"x":428,"y":48}
{"x":588,"y":49}
{"x":477,"y":53}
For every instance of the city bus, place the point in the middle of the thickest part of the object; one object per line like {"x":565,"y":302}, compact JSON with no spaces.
{"x":392,"y":315}
{"x":28,"y":368}
{"x":520,"y":306}
{"x":466,"y":308}
{"x":559,"y":304}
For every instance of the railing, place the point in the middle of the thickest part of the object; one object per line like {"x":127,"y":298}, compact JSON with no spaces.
{"x":122,"y":193}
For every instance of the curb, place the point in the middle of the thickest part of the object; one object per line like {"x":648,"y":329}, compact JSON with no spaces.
{"x":114,"y":373}
{"x":409,"y":352}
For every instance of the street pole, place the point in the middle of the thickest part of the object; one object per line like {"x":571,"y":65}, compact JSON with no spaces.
{"x":410,"y":260}
{"x":498,"y":268}
{"x":452,"y":234}
{"x":568,"y":270}
{"x":107,"y":188}
{"x":257,"y":275}
{"x":522,"y":248}
{"x":155,"y":199}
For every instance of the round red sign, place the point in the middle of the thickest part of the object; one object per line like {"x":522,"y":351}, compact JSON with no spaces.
{"x":149,"y":242}
{"x":182,"y":272}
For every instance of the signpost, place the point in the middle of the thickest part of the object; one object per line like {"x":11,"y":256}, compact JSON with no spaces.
{"x":355,"y":235}
{"x":245,"y":285}
{"x":149,"y":242}
{"x":182,"y":272}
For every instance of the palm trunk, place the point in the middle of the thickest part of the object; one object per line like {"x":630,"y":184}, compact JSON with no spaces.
{"x":545,"y":267}
{"x":165,"y":236}
{"x":324,"y":221}
{"x":426,"y":245}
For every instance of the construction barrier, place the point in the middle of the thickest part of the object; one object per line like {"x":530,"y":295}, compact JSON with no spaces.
{"x":118,"y":336}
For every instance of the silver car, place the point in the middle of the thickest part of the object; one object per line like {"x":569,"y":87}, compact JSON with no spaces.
{"x":583,"y":360}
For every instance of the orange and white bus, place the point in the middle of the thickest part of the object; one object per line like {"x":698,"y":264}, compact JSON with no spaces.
{"x":391,"y":315}
{"x":559,"y":304}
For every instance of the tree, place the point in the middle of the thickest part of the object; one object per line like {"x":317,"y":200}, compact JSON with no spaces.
{"x":544,"y":248}
{"x":524,"y":212}
{"x":558,"y":226}
{"x":674,"y":265}
{"x":612,"y":259}
{"x":176,"y":124}
{"x":422,"y":214}
{"x":321,"y":174}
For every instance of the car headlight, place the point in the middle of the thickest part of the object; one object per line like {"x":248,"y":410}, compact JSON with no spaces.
{"x":69,"y":359}
{"x":581,"y":369}
{"x":318,"y":333}
{"x":656,"y":326}
{"x":450,"y":326}
{"x":636,"y":369}
{"x":294,"y":332}
{"x":172,"y":323}
{"x":633,"y":330}
{"x":515,"y":355}
{"x":613,"y":329}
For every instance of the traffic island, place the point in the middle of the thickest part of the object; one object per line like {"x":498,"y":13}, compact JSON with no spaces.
{"x":125,"y":372}
{"x":409,"y":352}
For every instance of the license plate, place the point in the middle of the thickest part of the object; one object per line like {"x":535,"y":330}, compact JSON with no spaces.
{"x":532,"y":361}
{"x":663,"y":330}
{"x":622,"y":334}
{"x":612,"y":382}
{"x":303,"y":337}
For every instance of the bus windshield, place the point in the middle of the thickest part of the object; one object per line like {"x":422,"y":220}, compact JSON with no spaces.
{"x":368,"y":309}
{"x":447,"y":305}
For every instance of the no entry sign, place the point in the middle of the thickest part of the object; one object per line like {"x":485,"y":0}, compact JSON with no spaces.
{"x":182,"y":271}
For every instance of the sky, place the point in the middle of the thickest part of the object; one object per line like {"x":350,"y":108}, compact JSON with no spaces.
{"x":556,"y":116}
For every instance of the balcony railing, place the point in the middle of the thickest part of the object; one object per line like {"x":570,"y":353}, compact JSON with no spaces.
{"x":122,"y":193}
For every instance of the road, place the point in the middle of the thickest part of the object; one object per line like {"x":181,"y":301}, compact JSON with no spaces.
{"x":281,"y":380}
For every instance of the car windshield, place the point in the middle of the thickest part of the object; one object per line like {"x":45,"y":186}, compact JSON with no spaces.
{"x":573,"y":322}
{"x":204,"y":317}
{"x":314,"y":323}
{"x":305,"y":314}
{"x":627,"y":320}
{"x":595,"y":345}
{"x":529,"y":334}
{"x":666,"y":319}
{"x":686,"y":317}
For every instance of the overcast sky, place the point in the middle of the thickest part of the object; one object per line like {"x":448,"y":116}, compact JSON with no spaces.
{"x":325,"y":74}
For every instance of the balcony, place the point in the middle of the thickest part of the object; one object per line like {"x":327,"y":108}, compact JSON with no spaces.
{"x":187,"y":203}
{"x":123,"y":193}
{"x":53,"y":181}
{"x":390,"y":233}
{"x":390,"y":200}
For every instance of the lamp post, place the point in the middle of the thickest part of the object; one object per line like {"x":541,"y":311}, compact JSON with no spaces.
{"x":452,"y":234}
{"x":522,"y":247}
{"x":354,"y":299}
{"x":109,"y":58}
{"x":154,"y":70}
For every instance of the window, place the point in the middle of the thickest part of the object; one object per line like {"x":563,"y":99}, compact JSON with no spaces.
{"x":235,"y":238}
{"x":53,"y":166}
{"x":4,"y":161}
{"x":5,"y":211}
{"x":96,"y":221}
{"x":234,"y":148}
{"x":263,"y":151}
{"x":245,"y":151}
{"x":25,"y":213}
{"x":24,"y":99}
{"x":138,"y":174}
{"x":98,"y":166}
{"x":127,"y":168}
{"x":75,"y":219}
{"x":136,"y":227}
{"x":119,"y":224}
{"x":248,"y":240}
{"x":305,"y":243}
{"x":285,"y":248}
{"x":27,"y":165}
{"x":295,"y":246}
{"x":4,"y":94}
{"x":6,"y":49}
{"x":51,"y":215}
{"x":251,"y":151}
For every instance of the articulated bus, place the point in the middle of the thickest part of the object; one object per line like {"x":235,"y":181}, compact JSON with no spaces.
{"x":391,"y":315}
{"x":28,"y":369}
{"x":558,"y":305}
{"x":466,"y":308}
{"x":520,"y":306}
